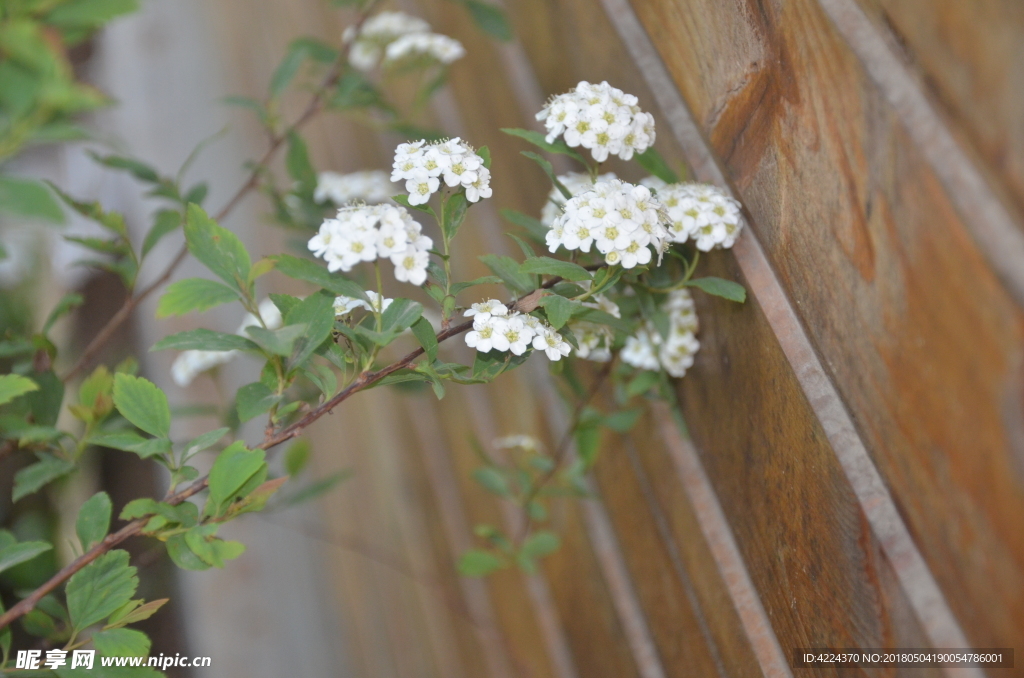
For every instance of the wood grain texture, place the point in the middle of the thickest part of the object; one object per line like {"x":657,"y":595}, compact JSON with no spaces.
{"x":969,"y":57}
{"x":834,"y":184}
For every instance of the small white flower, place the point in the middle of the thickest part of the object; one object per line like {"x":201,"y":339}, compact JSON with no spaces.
{"x":345,"y":305}
{"x":421,"y":187}
{"x":411,"y":266}
{"x":377,"y":302}
{"x":485,"y":333}
{"x":485,"y":309}
{"x":435,"y":46}
{"x":552,"y":343}
{"x":524,"y":442}
{"x":640,"y":351}
{"x":514,"y":336}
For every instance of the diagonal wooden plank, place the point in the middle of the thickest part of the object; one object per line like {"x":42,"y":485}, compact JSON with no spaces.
{"x":916,"y":579}
{"x":991,"y":224}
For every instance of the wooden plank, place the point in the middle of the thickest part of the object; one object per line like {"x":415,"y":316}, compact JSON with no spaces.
{"x":898,"y":258}
{"x":969,"y":57}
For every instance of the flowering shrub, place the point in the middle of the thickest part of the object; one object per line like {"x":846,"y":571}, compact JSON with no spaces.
{"x":615,"y":291}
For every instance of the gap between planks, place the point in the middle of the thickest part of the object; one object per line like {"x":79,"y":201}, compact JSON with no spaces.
{"x":917,"y":581}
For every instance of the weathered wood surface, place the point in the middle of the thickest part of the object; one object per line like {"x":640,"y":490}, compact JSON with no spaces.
{"x":856,"y":471}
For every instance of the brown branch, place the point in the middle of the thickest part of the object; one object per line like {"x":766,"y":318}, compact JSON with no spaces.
{"x":272,"y":439}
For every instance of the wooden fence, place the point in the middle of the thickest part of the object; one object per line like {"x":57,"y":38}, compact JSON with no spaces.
{"x":854,"y":470}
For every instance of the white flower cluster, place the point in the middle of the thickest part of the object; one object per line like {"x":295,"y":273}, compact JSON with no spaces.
{"x":391,"y":36}
{"x":423,"y":166}
{"x":494,"y":327}
{"x":600,"y":118}
{"x":190,"y":364}
{"x":575,"y":183}
{"x":345,"y":305}
{"x":371,"y":186}
{"x":621,"y":220}
{"x":594,"y":340}
{"x":647,"y":349}
{"x":698,"y":211}
{"x":368,"y":232}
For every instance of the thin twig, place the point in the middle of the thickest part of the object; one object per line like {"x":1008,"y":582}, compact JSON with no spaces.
{"x":563,"y":445}
{"x":312,"y":108}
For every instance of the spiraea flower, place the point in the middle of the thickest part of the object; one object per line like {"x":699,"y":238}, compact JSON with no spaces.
{"x":367,"y":232}
{"x":621,"y":220}
{"x":389,"y":37}
{"x":648,"y":350}
{"x":555,"y":347}
{"x":424,"y":166}
{"x":700,"y":212}
{"x":601,"y":118}
{"x":576,"y":183}
{"x":190,"y":364}
{"x":485,"y":309}
{"x":495,"y":328}
{"x":344,"y":306}
{"x":370,"y":187}
{"x":435,"y":46}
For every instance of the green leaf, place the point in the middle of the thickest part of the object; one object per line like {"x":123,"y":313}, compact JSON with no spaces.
{"x":279,"y":341}
{"x":652,"y":161}
{"x":141,"y":402}
{"x":204,"y":441}
{"x":121,"y":643}
{"x":136,"y":168}
{"x":588,"y":441}
{"x":253,"y":400}
{"x":454,"y":213}
{"x":719,"y":287}
{"x":194,"y":294}
{"x":403,"y":200}
{"x":535,"y":228}
{"x":563,"y":269}
{"x":485,"y":280}
{"x":492,"y":480}
{"x":100,"y":588}
{"x":93,"y":520}
{"x":540,"y":544}
{"x":298,"y":51}
{"x":14,"y":385}
{"x":490,"y":19}
{"x":29,"y":198}
{"x":316,"y":314}
{"x":623,"y":421}
{"x":300,"y":169}
{"x":166,"y":221}
{"x":539,"y":139}
{"x":182,"y":555}
{"x":234,"y":466}
{"x":89,"y":13}
{"x":424,"y":333}
{"x":112,"y":221}
{"x":15,"y":554}
{"x":479,"y":563}
{"x":318,"y":488}
{"x":45,"y":403}
{"x":546,"y":166}
{"x":643,"y":383}
{"x":304,"y":269}
{"x":558,"y":309}
{"x":400,"y":315}
{"x":485,"y":155}
{"x":47,"y":469}
{"x":67,"y":303}
{"x":217,"y":248}
{"x":204,"y":340}
{"x":133,"y":612}
{"x":297,"y":456}
{"x":507,"y":269}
